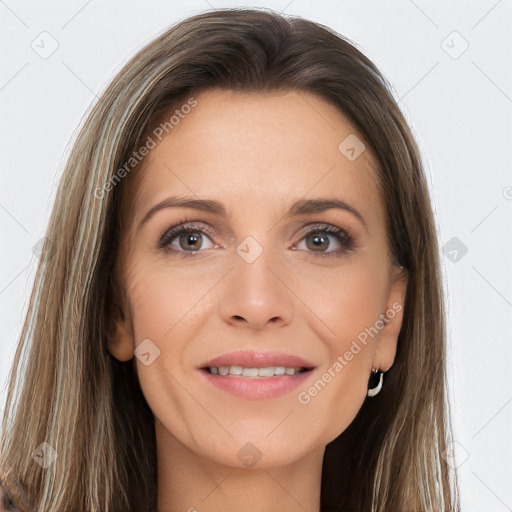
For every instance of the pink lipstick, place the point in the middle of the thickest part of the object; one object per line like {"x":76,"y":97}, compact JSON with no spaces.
{"x":257,"y":375}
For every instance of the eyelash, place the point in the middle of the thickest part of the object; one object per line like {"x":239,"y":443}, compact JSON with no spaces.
{"x":340,"y":234}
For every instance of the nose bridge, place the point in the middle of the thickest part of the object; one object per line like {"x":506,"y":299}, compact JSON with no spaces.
{"x":253,"y":264}
{"x":254,"y":292}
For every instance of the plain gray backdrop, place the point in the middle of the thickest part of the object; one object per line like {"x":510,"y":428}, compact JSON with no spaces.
{"x":450,"y":66}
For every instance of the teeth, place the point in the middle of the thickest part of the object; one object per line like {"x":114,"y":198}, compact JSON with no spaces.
{"x":265,"y":372}
{"x":268,"y":371}
{"x":250,"y":372}
{"x":235,"y":370}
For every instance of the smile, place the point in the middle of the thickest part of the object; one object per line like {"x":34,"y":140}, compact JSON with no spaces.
{"x":269,"y":371}
{"x":250,"y":385}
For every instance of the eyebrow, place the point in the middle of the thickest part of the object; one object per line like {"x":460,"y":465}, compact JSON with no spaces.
{"x":300,"y":207}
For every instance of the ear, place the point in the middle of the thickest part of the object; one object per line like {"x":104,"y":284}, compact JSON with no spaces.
{"x":119,"y":334}
{"x":387,"y":340}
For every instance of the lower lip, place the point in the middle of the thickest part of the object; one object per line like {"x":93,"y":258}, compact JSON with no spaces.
{"x":256,"y":388}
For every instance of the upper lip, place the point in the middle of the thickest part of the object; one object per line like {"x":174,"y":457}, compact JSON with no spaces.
{"x":254,"y":359}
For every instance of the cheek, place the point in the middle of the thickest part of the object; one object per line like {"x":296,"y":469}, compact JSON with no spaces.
{"x":164,"y":305}
{"x":152,"y":312}
{"x":351,"y":299}
{"x":349,"y":306}
{"x":160,"y":297}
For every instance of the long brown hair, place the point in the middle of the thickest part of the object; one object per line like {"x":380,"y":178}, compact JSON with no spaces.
{"x":66,"y":389}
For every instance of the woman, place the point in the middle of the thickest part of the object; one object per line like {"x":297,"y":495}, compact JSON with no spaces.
{"x":239,"y":302}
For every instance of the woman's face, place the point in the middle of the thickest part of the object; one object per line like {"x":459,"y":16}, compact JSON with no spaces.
{"x":247,"y":279}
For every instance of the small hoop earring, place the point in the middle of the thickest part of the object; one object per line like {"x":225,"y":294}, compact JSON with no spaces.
{"x":375,"y":390}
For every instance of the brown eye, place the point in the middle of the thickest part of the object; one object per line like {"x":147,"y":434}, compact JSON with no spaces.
{"x":185,"y":239}
{"x":320,"y":239}
{"x":190,"y":241}
{"x":315,"y":241}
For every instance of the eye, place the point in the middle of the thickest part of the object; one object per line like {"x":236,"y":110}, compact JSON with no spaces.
{"x":318,"y":239}
{"x":187,"y":238}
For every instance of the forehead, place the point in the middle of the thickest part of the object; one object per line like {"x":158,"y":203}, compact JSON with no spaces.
{"x":255,"y":151}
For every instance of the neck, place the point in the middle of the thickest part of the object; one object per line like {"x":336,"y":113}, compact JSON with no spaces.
{"x":190,"y":482}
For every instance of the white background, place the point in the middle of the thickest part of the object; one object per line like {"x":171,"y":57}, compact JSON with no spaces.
{"x":458,"y":103}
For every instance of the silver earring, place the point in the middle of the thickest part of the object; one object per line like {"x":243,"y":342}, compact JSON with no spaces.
{"x":376,"y":374}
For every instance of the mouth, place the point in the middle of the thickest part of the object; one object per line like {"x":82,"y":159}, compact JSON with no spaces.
{"x":255,"y":373}
{"x":246,"y":362}
{"x":256,"y":376}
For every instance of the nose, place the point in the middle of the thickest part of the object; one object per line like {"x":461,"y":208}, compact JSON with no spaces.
{"x":256,"y":294}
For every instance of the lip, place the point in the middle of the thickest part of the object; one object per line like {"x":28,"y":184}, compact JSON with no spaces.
{"x":254,"y":359}
{"x":257,"y":388}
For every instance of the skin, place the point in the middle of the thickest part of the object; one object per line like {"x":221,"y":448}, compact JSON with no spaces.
{"x":256,"y":154}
